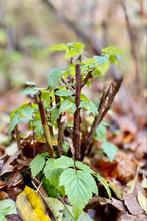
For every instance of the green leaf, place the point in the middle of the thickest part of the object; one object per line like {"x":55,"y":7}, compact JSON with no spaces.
{"x":52,"y":174}
{"x":101,"y":131}
{"x":54,"y":78}
{"x":36,"y":124}
{"x":104,"y":182}
{"x":110,"y":150}
{"x":64,"y":93}
{"x":7,"y":207}
{"x":84,"y":167}
{"x":63,"y":162}
{"x":103,"y":64}
{"x":46,"y":97}
{"x":89,"y":106}
{"x":54,"y":115}
{"x":114,"y":53}
{"x":65,"y":146}
{"x":37,"y":165}
{"x":30,"y":90}
{"x":67,"y":105}
{"x":78,"y":190}
{"x":58,"y":47}
{"x":22,"y":114}
{"x":74,"y":49}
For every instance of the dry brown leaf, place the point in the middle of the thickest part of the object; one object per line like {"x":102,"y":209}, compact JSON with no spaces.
{"x":132,"y":204}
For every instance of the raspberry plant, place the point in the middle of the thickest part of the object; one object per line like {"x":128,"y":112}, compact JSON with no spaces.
{"x":62,"y":107}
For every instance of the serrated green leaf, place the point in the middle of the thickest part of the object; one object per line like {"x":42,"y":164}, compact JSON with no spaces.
{"x":110,"y":150}
{"x":52,"y":174}
{"x":67,"y":105}
{"x":103,"y":64}
{"x":65,"y":146}
{"x":31,"y":90}
{"x":78,"y":190}
{"x":114,"y":53}
{"x":64,"y":93}
{"x":101,"y":131}
{"x":7,"y":207}
{"x":22,"y":114}
{"x":63,"y":162}
{"x":89,"y":106}
{"x":84,"y":167}
{"x":37,"y":165}
{"x":46,"y":97}
{"x":74,"y":49}
{"x":55,"y":78}
{"x":54,"y":115}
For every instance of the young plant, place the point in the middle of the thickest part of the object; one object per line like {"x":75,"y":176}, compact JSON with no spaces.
{"x":62,"y":107}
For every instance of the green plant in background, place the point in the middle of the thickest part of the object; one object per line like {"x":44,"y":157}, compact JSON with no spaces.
{"x":61,"y":107}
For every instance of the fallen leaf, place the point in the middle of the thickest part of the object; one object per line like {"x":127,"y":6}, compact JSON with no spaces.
{"x":142,"y":201}
{"x":117,"y":189}
{"x":3,"y":195}
{"x":7,"y":167}
{"x":12,"y":149}
{"x":7,"y":207}
{"x":13,"y":218}
{"x":30,"y":207}
{"x":14,"y":179}
{"x":127,"y":217}
{"x":132,"y":204}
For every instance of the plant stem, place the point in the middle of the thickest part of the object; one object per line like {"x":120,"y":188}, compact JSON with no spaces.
{"x":60,"y":129}
{"x":17,"y":134}
{"x":85,"y":80}
{"x":77,"y":119}
{"x":45,"y":125}
{"x":105,"y":104}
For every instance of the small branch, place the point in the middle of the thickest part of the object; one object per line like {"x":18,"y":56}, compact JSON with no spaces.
{"x":45,"y":125}
{"x":70,"y":87}
{"x":105,"y":104}
{"x":17,"y":137}
{"x":60,"y":129}
{"x":77,"y":119}
{"x":88,"y":76}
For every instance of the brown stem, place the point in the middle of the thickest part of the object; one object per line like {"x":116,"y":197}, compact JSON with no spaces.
{"x":45,"y":125}
{"x":105,"y":104}
{"x":60,"y":129}
{"x":77,"y":119}
{"x":17,"y":134}
{"x":85,"y":80}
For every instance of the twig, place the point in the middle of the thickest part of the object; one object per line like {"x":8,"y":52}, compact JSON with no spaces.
{"x":85,"y":80}
{"x":45,"y":125}
{"x":77,"y":119}
{"x":105,"y":104}
{"x":17,"y":137}
{"x":60,"y":128}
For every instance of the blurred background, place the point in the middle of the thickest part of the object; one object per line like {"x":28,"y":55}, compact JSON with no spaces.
{"x":29,"y":27}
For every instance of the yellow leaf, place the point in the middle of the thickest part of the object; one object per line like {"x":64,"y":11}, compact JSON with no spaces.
{"x":30,"y":206}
